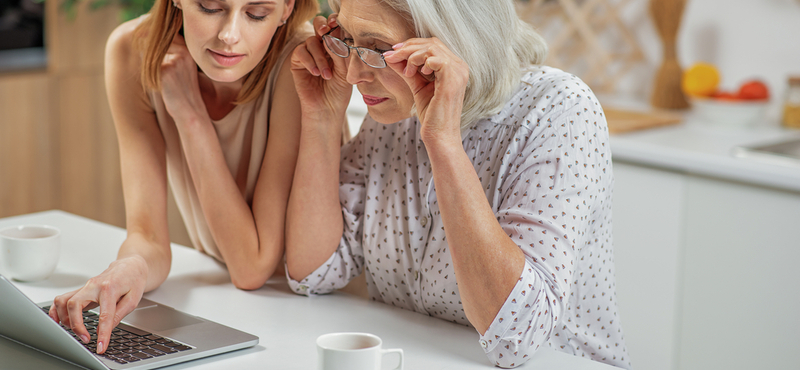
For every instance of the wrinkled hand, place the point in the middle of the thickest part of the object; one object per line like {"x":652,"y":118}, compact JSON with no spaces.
{"x":319,"y":75}
{"x":438,"y":79}
{"x":117,"y":291}
{"x":180,"y":88}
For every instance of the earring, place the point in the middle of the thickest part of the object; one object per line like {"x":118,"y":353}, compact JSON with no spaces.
{"x":175,"y":3}
{"x":283,"y":21}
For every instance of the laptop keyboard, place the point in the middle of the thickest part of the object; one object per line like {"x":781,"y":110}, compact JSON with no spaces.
{"x":128,"y":344}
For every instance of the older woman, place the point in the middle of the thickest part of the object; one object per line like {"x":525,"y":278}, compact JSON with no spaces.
{"x":478,"y":189}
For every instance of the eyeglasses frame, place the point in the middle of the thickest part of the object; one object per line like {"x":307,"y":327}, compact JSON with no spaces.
{"x":359,"y":49}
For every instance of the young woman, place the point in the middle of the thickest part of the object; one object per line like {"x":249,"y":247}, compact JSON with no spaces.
{"x":478,"y":189}
{"x":203,"y":101}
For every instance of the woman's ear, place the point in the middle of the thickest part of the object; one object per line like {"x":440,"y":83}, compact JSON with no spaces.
{"x":287,"y":11}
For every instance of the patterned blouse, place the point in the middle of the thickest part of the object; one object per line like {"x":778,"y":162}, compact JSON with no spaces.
{"x":545,"y":165}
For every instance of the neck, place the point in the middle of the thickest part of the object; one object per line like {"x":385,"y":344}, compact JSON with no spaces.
{"x":219,"y":96}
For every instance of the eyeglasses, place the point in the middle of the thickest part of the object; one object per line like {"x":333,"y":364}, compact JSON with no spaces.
{"x":370,"y":57}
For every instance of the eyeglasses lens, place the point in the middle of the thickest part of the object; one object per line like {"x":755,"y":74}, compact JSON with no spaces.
{"x":372,"y":58}
{"x":337,"y":46}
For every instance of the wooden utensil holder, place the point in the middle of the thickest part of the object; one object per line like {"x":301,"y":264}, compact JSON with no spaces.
{"x":667,"y":91}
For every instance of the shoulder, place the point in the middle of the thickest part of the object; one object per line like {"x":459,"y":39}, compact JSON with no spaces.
{"x":545,"y":93}
{"x":301,"y":33}
{"x":297,"y":36}
{"x":283,"y":68}
{"x":123,"y":62}
{"x":120,"y":50}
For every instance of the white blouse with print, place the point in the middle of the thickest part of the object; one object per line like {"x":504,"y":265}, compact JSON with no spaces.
{"x":545,"y":165}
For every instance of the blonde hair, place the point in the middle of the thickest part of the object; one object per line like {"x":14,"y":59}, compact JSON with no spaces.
{"x":488,"y":35}
{"x":155,"y":33}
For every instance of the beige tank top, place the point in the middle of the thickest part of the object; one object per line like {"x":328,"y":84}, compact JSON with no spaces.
{"x":243,"y":137}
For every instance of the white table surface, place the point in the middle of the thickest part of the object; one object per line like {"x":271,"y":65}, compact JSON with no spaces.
{"x":287,"y":324}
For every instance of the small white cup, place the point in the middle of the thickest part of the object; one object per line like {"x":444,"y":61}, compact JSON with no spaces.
{"x":29,"y":252}
{"x":352,"y":351}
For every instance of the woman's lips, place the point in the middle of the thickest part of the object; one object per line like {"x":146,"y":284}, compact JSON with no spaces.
{"x":373,"y":100}
{"x":225,"y":59}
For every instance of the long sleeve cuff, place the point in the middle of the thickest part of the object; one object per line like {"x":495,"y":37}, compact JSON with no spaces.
{"x":311,"y":284}
{"x":523,"y":324}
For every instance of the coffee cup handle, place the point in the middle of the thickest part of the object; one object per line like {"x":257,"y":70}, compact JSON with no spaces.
{"x":394,"y":350}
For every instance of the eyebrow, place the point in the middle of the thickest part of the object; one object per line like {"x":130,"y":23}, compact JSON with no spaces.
{"x":373,"y":35}
{"x":262,"y":2}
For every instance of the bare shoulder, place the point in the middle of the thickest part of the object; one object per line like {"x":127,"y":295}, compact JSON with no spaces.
{"x":120,"y":52}
{"x":126,"y":94}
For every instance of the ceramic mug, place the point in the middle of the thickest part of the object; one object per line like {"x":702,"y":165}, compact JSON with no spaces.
{"x":352,"y":351}
{"x":29,"y":252}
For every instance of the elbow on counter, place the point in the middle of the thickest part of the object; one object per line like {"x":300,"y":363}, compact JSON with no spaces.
{"x":251,"y":280}
{"x":508,"y":355}
{"x":247,"y":284}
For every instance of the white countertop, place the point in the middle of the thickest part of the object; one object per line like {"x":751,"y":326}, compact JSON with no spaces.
{"x":287,"y":324}
{"x":702,"y":148}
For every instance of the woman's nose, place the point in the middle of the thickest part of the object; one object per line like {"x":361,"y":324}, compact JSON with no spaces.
{"x":357,"y":70}
{"x":229,"y":33}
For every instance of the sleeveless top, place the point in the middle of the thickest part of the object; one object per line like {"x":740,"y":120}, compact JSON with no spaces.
{"x":242,"y":135}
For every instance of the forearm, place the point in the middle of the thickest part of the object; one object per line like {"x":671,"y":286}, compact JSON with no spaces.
{"x":487,"y":262}
{"x":156,"y":255}
{"x":314,"y":216}
{"x":230,"y":219}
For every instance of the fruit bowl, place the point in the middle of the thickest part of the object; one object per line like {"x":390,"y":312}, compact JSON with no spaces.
{"x":732,"y":113}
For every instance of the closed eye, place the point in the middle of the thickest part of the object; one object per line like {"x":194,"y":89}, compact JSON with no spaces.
{"x":207,"y":10}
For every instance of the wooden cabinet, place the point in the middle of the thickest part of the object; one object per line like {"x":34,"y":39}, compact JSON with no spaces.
{"x":58,"y":146}
{"x":705,"y":270}
{"x":28,"y":144}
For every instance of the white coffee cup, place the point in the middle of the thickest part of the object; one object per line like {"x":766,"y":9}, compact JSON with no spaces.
{"x":352,"y":351}
{"x":29,"y":252}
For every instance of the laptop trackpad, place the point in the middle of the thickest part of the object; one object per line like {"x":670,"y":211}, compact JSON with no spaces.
{"x":157,"y":318}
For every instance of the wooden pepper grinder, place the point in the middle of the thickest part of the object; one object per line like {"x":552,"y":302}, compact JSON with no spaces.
{"x":667,"y":17}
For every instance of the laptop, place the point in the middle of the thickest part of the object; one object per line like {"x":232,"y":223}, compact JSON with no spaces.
{"x":152,"y":336}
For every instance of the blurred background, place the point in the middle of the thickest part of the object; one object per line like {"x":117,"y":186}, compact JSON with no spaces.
{"x":705,"y":241}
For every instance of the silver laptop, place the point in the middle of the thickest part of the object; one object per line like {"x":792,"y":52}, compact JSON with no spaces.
{"x":153,"y":335}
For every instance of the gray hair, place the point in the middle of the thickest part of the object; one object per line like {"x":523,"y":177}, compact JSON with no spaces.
{"x":486,"y":34}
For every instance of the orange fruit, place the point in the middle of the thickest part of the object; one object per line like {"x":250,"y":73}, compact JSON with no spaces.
{"x":701,"y":79}
{"x":753,"y":90}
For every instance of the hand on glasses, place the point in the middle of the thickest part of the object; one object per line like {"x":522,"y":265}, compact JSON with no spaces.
{"x":438,"y":79}
{"x":320,"y":80}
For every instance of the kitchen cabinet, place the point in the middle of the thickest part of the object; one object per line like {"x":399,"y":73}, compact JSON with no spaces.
{"x":28,"y":144}
{"x":705,"y":269}
{"x":648,"y":227}
{"x":740,"y":288}
{"x":58,"y":145}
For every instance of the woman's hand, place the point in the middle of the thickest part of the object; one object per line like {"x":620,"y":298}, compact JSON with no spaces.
{"x":438,"y":79}
{"x":179,"y":85}
{"x":319,"y":76}
{"x":117,"y":291}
